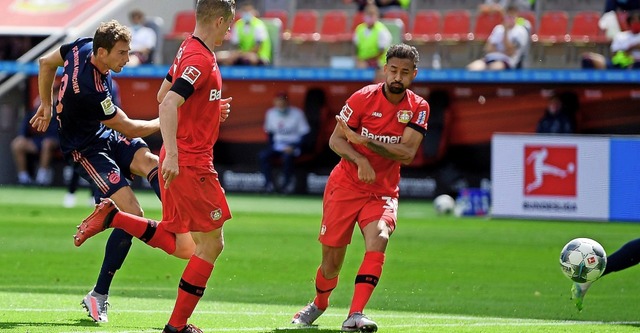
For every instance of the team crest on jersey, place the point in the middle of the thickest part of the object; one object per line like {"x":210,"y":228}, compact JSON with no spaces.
{"x":107,"y":106}
{"x":216,"y":214}
{"x":404,"y":116}
{"x":191,"y":74}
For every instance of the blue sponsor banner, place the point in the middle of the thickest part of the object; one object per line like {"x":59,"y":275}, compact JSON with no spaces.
{"x":624,"y":198}
{"x":568,"y":76}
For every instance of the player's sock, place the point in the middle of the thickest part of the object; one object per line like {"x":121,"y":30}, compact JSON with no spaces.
{"x":148,"y":231}
{"x":190,"y":290}
{"x":324,"y":287}
{"x":116,"y":250}
{"x":366,"y":280}
{"x":152,"y":177}
{"x":625,"y":257}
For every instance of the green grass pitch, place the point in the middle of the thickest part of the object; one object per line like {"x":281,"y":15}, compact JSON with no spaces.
{"x":442,"y":274}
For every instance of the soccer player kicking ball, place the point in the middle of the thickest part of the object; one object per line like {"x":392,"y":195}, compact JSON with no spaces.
{"x":97,"y":136}
{"x":626,"y":256}
{"x":379,"y":128}
{"x":194,"y":207}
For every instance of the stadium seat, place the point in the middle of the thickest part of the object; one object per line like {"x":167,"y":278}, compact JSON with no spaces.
{"x":553,"y":28}
{"x":283,"y":15}
{"x":334,"y":27}
{"x":398,"y":14}
{"x":485,"y":22}
{"x":356,"y":20}
{"x":183,"y":25}
{"x":622,"y":20}
{"x":304,"y":26}
{"x":456,"y":25}
{"x":585,"y":28}
{"x":531,"y":17}
{"x":426,"y":27}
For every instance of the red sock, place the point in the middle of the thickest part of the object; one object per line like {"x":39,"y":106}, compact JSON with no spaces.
{"x":191,"y":288}
{"x":324,"y":287}
{"x":366,"y":280}
{"x":148,"y":231}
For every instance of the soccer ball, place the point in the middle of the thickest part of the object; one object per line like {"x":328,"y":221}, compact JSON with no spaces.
{"x":583,"y":260}
{"x":444,"y":204}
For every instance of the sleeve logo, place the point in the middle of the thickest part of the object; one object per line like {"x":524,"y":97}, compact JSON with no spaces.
{"x":422,"y":117}
{"x":107,"y":106}
{"x":346,"y":112}
{"x":191,"y":74}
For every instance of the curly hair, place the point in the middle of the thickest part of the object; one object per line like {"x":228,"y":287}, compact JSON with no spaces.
{"x":108,"y":34}
{"x":404,"y":51}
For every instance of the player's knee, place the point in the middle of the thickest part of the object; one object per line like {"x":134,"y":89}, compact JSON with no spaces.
{"x":210,"y":250}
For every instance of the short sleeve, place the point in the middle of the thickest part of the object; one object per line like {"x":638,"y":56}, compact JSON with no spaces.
{"x":191,"y":74}
{"x":100,"y":105}
{"x":420,"y":118}
{"x":350,"y":111}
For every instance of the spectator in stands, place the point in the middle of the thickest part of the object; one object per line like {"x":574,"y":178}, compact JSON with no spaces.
{"x":286,"y":127}
{"x":500,"y":5}
{"x":556,"y":119}
{"x":143,"y":39}
{"x":250,"y":38}
{"x":383,"y":5}
{"x":31,"y":142}
{"x":506,"y":45}
{"x":371,"y":39}
{"x":625,"y":48}
{"x":625,"y":5}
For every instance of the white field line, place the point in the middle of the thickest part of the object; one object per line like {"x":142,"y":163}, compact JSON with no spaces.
{"x":476,"y":321}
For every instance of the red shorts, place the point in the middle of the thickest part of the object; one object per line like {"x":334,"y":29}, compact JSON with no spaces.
{"x":194,"y":201}
{"x":342,"y":208}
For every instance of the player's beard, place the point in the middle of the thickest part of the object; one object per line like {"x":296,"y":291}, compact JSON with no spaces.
{"x":396,"y":88}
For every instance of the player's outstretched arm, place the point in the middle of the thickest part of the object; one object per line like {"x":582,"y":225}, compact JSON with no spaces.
{"x":403,"y":152}
{"x":339,"y":144}
{"x":132,"y":128}
{"x":48,"y":65}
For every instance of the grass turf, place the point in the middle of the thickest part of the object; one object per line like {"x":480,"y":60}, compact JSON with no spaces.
{"x":442,"y":274}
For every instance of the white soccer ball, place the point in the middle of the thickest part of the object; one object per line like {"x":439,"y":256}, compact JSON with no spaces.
{"x":583,"y":260}
{"x":444,"y":204}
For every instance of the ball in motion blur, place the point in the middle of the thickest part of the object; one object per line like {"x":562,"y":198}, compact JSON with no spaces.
{"x":444,"y":204}
{"x":583,"y":260}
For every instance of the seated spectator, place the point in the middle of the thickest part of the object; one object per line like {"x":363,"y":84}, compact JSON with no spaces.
{"x":371,"y":39}
{"x":501,"y":5}
{"x":143,"y":39}
{"x":31,"y":142}
{"x":505,"y":47}
{"x":625,"y":48}
{"x":250,"y":38}
{"x":286,"y":127}
{"x":556,"y":119}
{"x":383,"y":5}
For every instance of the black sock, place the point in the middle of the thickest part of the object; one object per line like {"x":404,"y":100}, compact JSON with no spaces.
{"x":626,"y":256}
{"x":152,"y":177}
{"x":116,"y":251}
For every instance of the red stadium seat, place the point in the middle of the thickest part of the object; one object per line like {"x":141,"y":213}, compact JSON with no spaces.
{"x":304,"y":26}
{"x":585,"y":28}
{"x":183,"y":24}
{"x":553,"y":28}
{"x":283,"y":15}
{"x":531,"y":17}
{"x":398,"y":14}
{"x":456,"y":25}
{"x":356,"y":20}
{"x":485,"y":22}
{"x":426,"y":27}
{"x":334,"y":27}
{"x":622,"y":20}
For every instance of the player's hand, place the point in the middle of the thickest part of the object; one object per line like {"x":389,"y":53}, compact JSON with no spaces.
{"x":366,"y":174}
{"x":352,"y":136}
{"x":170,"y":169}
{"x":225,"y":108}
{"x":40,"y":121}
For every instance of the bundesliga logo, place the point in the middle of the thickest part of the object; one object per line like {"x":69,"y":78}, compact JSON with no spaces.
{"x":550,"y":170}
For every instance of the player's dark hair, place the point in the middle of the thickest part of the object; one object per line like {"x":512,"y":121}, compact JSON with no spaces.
{"x":209,"y":10}
{"x":403,"y":51}
{"x":108,"y":34}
